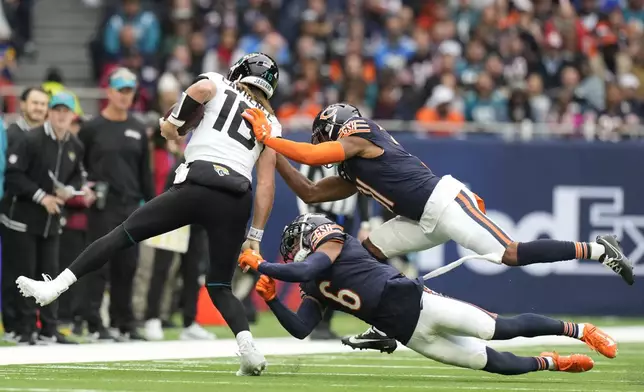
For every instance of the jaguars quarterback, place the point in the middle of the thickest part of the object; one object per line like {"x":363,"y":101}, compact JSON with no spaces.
{"x":335,"y":271}
{"x":213,"y":189}
{"x":431,"y":209}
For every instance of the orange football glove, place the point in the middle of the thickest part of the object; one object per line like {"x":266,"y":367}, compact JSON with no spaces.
{"x":261,"y":126}
{"x":250,"y":259}
{"x":265,"y":287}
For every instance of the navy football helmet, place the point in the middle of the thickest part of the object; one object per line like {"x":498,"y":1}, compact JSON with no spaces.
{"x":257,"y":69}
{"x":296,"y":238}
{"x":328,"y":122}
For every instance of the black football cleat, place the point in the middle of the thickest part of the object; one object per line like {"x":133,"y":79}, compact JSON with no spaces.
{"x":615,"y":259}
{"x":371,"y":339}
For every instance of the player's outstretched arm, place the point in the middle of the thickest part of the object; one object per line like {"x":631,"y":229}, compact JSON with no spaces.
{"x":307,"y":270}
{"x":298,"y":324}
{"x":328,"y":189}
{"x":304,"y":271}
{"x":310,"y":154}
{"x":264,"y":196}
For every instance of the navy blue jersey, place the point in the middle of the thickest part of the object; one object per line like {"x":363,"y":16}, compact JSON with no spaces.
{"x":359,"y":285}
{"x":396,"y":179}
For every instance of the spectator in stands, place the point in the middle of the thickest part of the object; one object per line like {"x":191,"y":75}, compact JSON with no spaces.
{"x":438,"y":117}
{"x":514,"y":53}
{"x":484,"y":104}
{"x":132,"y":28}
{"x":253,"y":41}
{"x":469,"y":68}
{"x":638,"y":71}
{"x":302,"y":107}
{"x":539,"y":102}
{"x":634,"y":10}
{"x":358,"y":85}
{"x":180,"y":65}
{"x":197,"y":45}
{"x":53,"y":84}
{"x":633,"y":106}
{"x":552,"y":61}
{"x":487,"y":29}
{"x":218,"y":59}
{"x":566,"y":114}
{"x":8,"y":64}
{"x":396,"y":48}
{"x":519,"y":109}
{"x":613,"y":122}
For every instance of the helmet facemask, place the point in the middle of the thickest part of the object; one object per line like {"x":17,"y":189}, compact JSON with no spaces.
{"x":295,"y":246}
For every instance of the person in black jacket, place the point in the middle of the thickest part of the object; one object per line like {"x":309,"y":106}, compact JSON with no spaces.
{"x":118,"y":160}
{"x":33,"y":105}
{"x":43,"y":171}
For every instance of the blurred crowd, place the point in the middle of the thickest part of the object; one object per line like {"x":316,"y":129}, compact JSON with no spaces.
{"x":568,"y":63}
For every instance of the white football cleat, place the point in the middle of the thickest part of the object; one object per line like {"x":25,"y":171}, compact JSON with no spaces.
{"x":252,"y":362}
{"x":44,"y":292}
{"x":196,"y":332}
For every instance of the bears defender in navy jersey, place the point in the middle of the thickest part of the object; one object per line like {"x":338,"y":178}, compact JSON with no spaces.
{"x":356,"y":283}
{"x":399,"y":181}
{"x":432,"y":210}
{"x":336,"y":272}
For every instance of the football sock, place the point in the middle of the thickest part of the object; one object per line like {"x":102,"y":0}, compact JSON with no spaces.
{"x":100,"y":251}
{"x":509,"y":364}
{"x":548,"y":251}
{"x":531,"y":325}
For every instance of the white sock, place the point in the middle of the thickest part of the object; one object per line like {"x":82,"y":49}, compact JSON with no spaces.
{"x":243,"y":336}
{"x":580,"y":330}
{"x":551,"y":363}
{"x":596,"y":250}
{"x":66,"y":278}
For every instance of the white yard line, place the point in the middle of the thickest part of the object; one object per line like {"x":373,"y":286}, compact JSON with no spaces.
{"x":226,"y":348}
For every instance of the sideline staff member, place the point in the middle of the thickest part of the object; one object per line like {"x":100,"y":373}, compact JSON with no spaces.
{"x":31,"y":227}
{"x":117,"y":159}
{"x":33,"y":105}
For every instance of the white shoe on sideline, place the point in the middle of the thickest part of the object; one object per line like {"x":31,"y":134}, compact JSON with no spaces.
{"x":44,"y":292}
{"x":252,"y":362}
{"x":153,"y":330}
{"x":196,"y":332}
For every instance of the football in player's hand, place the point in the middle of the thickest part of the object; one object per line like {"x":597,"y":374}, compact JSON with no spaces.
{"x":192,"y":122}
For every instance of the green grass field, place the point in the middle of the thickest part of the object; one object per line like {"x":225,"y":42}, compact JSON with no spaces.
{"x":403,"y":371}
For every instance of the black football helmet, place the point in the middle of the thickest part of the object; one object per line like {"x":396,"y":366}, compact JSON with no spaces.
{"x":296,"y":238}
{"x":257,"y":69}
{"x":328,"y":122}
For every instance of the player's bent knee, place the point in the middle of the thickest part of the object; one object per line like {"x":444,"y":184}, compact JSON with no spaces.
{"x":487,"y":327}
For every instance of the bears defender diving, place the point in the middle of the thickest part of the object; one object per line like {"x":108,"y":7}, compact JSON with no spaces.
{"x":336,"y":272}
{"x":212,"y":189}
{"x":431,"y":209}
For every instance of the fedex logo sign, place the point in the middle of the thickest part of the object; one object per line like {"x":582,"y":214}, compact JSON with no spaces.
{"x":579,"y":213}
